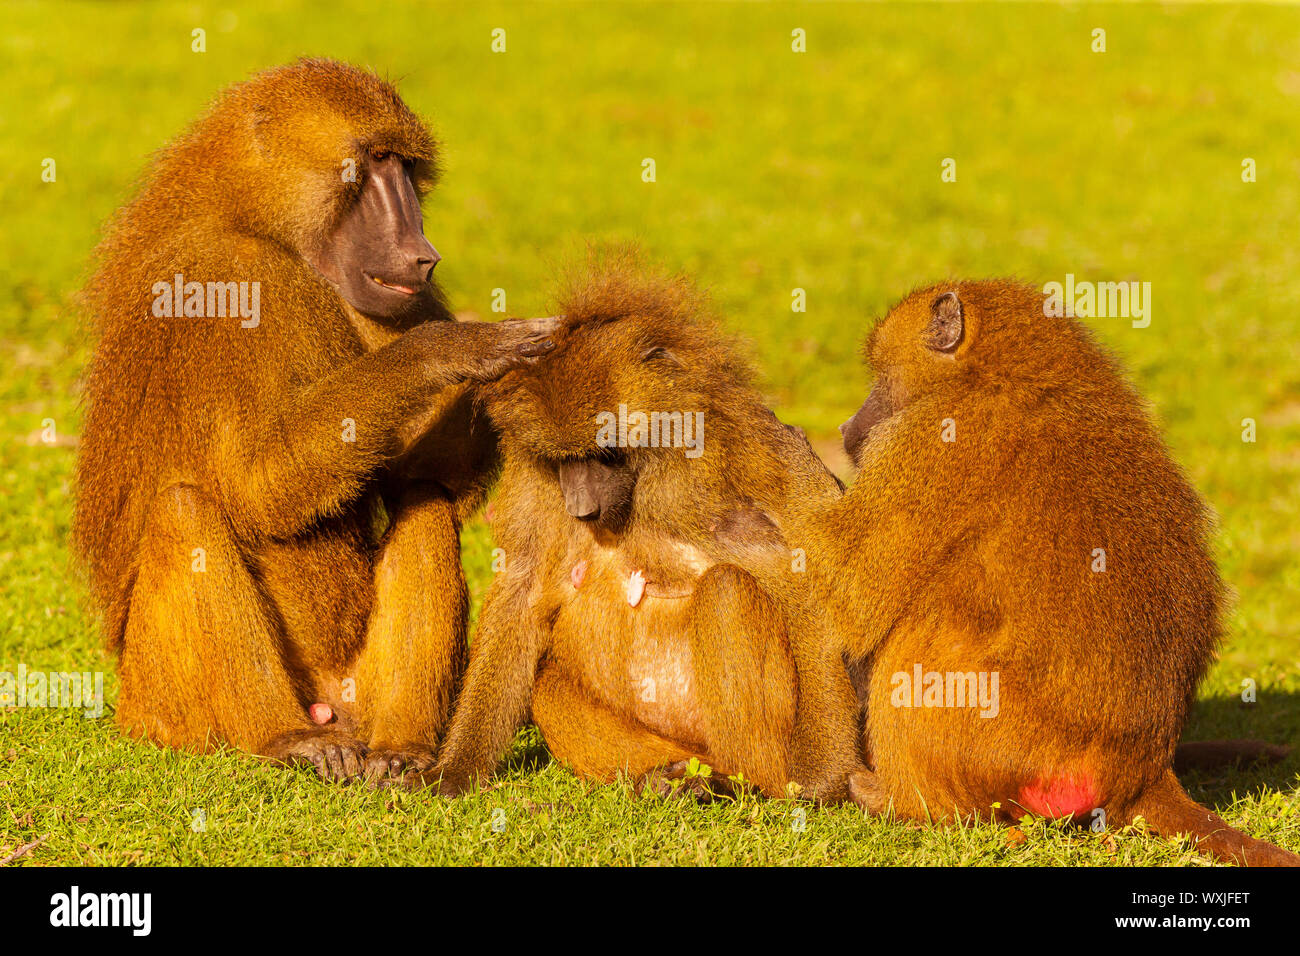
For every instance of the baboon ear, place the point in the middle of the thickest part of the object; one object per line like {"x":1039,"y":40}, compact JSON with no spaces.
{"x":946,"y":327}
{"x":258,"y":117}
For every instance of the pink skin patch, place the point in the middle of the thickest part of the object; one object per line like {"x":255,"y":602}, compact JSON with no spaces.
{"x":321,"y":713}
{"x":577,"y":575}
{"x":635,"y":588}
{"x":1065,"y":796}
{"x":490,"y":511}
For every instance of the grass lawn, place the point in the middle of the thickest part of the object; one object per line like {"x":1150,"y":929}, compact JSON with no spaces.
{"x":775,"y":170}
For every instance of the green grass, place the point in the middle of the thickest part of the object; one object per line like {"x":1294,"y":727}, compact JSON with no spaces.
{"x":775,"y":170}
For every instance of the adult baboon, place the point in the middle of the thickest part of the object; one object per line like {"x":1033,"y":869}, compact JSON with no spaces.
{"x":1028,"y":570}
{"x":280,"y":441}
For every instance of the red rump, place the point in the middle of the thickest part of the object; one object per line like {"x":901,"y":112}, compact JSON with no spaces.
{"x":1066,"y":796}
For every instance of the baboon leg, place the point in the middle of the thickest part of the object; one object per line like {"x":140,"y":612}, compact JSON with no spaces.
{"x":414,"y":652}
{"x":595,"y":741}
{"x":746,"y":677}
{"x":824,"y":750}
{"x":201,"y":659}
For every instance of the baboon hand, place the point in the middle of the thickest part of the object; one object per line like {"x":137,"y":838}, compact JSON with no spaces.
{"x":335,"y":756}
{"x":534,"y":336}
{"x":513,"y":342}
{"x":472,"y":351}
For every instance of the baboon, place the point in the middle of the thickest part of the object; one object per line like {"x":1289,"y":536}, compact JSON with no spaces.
{"x":1016,"y":518}
{"x":280,"y":439}
{"x":649,"y":609}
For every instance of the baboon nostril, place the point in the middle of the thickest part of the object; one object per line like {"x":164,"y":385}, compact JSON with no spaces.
{"x":582,"y":506}
{"x":423,"y":257}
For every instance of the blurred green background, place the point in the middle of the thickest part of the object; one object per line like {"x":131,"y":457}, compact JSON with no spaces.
{"x":775,"y":170}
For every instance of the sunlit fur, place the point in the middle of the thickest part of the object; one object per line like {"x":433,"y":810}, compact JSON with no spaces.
{"x":978,"y":555}
{"x":721,"y":597}
{"x":202,"y":434}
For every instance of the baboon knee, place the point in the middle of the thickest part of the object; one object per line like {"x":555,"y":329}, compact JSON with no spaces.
{"x":182,"y":509}
{"x":428,"y":514}
{"x":727,"y":589}
{"x":423,"y":533}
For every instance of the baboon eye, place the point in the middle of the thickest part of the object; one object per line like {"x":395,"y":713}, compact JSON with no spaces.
{"x":658,"y":352}
{"x":379,"y":155}
{"x":611,"y":456}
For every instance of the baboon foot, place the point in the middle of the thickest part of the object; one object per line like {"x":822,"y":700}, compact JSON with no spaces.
{"x":394,"y":763}
{"x":826,"y":789}
{"x":866,"y":792}
{"x":442,"y":783}
{"x":676,"y":781}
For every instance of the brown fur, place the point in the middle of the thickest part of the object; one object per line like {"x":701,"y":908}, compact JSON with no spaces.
{"x":705,"y":665}
{"x":976,"y":556}
{"x":202,"y":434}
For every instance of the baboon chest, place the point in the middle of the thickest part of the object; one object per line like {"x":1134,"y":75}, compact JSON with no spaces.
{"x":623,"y":630}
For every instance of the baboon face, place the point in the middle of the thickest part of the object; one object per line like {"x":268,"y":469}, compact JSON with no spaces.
{"x":857,"y":429}
{"x":377,"y":256}
{"x":917,"y":344}
{"x":598,"y":489}
{"x":559,"y":411}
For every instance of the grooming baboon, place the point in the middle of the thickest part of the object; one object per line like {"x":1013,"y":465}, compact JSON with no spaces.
{"x":650,"y":609}
{"x":237,"y":472}
{"x":1016,"y":514}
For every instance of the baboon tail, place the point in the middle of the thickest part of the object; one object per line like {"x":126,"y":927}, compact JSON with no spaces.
{"x":1169,"y":810}
{"x":1213,"y":754}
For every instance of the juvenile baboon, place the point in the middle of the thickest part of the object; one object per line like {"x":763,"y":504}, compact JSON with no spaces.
{"x":276,"y":379}
{"x":650,"y":609}
{"x":1017,"y":532}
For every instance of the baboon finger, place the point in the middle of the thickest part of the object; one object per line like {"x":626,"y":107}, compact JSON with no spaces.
{"x":352,"y":762}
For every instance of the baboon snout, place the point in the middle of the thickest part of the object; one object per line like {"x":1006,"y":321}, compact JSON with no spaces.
{"x":418,"y":257}
{"x":594,"y":489}
{"x":857,"y":429}
{"x":582,"y":504}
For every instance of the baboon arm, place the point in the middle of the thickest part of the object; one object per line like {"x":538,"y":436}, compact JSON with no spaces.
{"x":880,"y":544}
{"x":312,"y":453}
{"x":824,"y":740}
{"x":811,"y":475}
{"x":870,"y":576}
{"x":498,"y":687}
